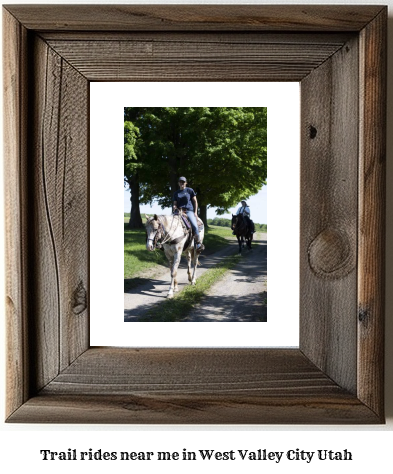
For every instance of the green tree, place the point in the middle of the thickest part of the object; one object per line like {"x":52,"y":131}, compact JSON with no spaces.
{"x":220,"y":150}
{"x":232,"y":164}
{"x":132,"y":167}
{"x":143,"y":170}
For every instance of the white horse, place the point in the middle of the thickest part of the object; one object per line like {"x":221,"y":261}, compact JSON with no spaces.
{"x":169,"y":232}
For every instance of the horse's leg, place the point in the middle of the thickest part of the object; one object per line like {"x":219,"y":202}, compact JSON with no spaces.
{"x":195,"y":261}
{"x":176,"y":288}
{"x":174,"y":266}
{"x":176,"y":263}
{"x":169,"y":256}
{"x":240,"y":243}
{"x":189,"y":265}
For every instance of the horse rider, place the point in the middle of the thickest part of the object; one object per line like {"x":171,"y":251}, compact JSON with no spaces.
{"x":185,"y":199}
{"x":244,"y":210}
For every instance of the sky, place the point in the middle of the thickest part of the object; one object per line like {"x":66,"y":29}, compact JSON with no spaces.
{"x":257,"y":204}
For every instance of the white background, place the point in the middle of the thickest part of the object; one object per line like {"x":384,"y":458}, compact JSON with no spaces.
{"x":370,"y":445}
{"x":107,"y":257}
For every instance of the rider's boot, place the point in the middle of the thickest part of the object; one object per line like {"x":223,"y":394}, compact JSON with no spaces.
{"x":198,"y":245}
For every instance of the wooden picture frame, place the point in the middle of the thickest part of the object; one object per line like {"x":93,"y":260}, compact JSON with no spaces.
{"x":338,"y":54}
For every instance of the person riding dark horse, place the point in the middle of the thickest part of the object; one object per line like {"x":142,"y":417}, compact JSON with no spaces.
{"x":185,"y":200}
{"x":244,"y":211}
{"x":242,"y":231}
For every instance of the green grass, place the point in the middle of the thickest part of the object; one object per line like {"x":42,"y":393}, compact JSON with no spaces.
{"x":220,"y":221}
{"x":137,"y":259}
{"x":215,"y":238}
{"x":177,"y":308}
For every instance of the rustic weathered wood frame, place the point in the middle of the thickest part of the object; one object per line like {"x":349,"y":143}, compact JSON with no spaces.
{"x":339,"y":56}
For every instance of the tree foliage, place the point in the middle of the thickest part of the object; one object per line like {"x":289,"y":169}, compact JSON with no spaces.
{"x":222,"y":151}
{"x":132,"y":168}
{"x":131,"y":162}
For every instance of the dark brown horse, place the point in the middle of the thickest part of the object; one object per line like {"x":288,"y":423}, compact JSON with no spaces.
{"x":242,"y":231}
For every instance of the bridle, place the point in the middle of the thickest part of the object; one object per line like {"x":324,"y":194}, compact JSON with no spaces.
{"x":239,"y":223}
{"x":157,"y":234}
{"x":161,"y":233}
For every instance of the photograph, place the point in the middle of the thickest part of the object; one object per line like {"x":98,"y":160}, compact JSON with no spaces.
{"x":195,"y":214}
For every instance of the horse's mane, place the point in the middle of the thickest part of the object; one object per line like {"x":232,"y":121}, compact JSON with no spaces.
{"x":168,"y":224}
{"x":240,"y":222}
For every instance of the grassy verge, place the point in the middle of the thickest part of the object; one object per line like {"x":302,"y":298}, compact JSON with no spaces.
{"x":177,"y":308}
{"x":216,"y":238}
{"x":137,"y":259}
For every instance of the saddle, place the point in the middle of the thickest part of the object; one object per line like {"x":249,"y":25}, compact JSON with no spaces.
{"x":188,"y":229}
{"x":245,"y":223}
{"x":187,"y":223}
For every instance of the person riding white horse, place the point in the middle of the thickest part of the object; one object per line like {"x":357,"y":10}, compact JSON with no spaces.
{"x":185,"y":200}
{"x":244,"y":210}
{"x":168,"y":233}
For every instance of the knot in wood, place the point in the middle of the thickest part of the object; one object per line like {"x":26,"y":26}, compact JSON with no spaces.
{"x":80,"y":299}
{"x":313,"y":132}
{"x":364,"y":317}
{"x":330,"y":254}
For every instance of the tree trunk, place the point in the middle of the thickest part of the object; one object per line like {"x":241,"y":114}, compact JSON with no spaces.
{"x":135,"y":215}
{"x":203,"y":214}
{"x":173,"y":182}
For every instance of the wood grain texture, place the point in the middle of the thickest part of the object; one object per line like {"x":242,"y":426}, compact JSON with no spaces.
{"x":194,"y":386}
{"x":189,"y":60}
{"x":372,"y":189}
{"x":128,"y":409}
{"x":59,"y":184}
{"x":329,"y":173}
{"x":14,"y":74}
{"x":183,"y":371}
{"x":200,"y":37}
{"x":195,"y":17}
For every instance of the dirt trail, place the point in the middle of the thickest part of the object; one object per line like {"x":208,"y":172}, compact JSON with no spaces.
{"x":152,"y":290}
{"x":241,"y":295}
